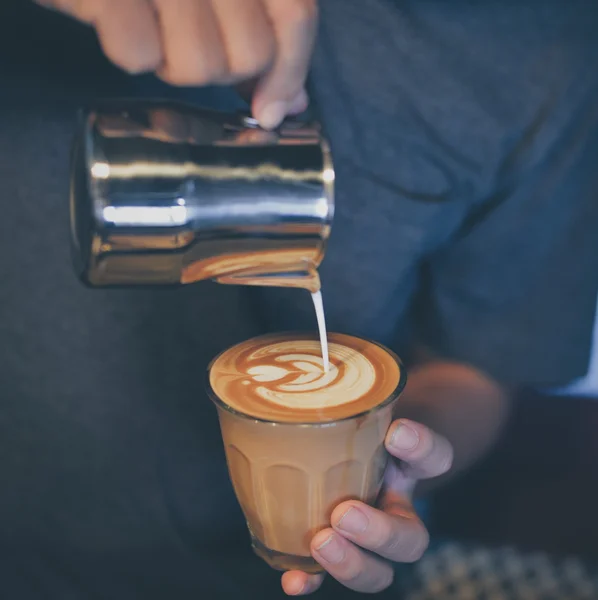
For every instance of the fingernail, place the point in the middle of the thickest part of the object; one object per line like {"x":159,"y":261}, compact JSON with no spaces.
{"x":331,"y":550}
{"x":271,"y":115}
{"x":353,"y":521}
{"x":404,"y":438}
{"x":299,"y":104}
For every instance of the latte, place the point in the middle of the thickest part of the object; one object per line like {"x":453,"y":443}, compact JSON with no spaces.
{"x":298,"y":439}
{"x":282,"y":377}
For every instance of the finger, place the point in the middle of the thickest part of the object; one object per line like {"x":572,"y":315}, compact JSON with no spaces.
{"x":248,"y":37}
{"x":299,"y":104}
{"x":424,"y":453}
{"x":295,"y":24}
{"x":297,"y":583}
{"x":193,"y":47}
{"x":128,"y":31}
{"x":349,"y":565}
{"x":396,"y":534}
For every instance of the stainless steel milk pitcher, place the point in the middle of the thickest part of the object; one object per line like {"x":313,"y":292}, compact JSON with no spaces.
{"x":165,"y":193}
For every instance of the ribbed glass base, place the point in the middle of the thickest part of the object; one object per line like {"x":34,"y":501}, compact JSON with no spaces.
{"x":285,"y":562}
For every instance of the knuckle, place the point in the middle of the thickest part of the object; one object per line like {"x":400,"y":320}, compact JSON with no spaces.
{"x":352,"y":576}
{"x":378,"y":578}
{"x":448,"y":459}
{"x":245,"y":71}
{"x":179,"y":79}
{"x":134,"y":64}
{"x":198,"y":74}
{"x":351,"y":570}
{"x":440,"y":459}
{"x":419,"y":547}
{"x":384,"y":581}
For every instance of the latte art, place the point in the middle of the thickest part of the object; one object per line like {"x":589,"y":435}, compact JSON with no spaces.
{"x":283,"y":378}
{"x":292,"y":375}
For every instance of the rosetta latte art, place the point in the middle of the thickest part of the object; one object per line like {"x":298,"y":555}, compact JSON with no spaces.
{"x":291,"y":374}
{"x":282,"y":378}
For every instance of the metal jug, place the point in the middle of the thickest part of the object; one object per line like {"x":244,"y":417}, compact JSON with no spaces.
{"x":165,"y":193}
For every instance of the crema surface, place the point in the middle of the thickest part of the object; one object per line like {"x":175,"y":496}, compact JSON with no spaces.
{"x":281,"y":378}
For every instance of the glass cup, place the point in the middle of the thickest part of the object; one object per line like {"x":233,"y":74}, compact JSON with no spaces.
{"x":289,"y":477}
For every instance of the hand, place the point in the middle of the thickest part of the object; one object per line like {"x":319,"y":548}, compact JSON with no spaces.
{"x":202,"y":42}
{"x":391,"y":533}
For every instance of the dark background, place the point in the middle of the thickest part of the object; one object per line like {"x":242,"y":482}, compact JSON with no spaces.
{"x":539,"y":489}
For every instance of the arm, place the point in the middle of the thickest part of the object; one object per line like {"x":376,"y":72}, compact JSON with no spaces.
{"x":459,"y":403}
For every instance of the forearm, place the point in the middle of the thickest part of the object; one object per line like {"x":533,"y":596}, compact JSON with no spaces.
{"x":458,"y":402}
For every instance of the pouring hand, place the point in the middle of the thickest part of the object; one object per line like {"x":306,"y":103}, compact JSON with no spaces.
{"x":390,"y":533}
{"x":204,"y":42}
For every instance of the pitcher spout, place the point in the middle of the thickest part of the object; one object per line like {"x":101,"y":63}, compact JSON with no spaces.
{"x":302,"y":276}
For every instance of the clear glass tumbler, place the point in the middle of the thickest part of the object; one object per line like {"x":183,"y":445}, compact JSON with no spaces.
{"x":289,"y":477}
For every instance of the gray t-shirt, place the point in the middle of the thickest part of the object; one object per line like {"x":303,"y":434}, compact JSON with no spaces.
{"x":465,"y":141}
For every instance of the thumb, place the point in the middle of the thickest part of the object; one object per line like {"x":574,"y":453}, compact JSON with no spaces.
{"x":281,"y":91}
{"x":423,"y":453}
{"x":271,"y":115}
{"x":247,"y":91}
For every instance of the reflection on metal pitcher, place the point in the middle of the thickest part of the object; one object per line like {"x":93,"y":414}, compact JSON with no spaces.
{"x":166,"y":194}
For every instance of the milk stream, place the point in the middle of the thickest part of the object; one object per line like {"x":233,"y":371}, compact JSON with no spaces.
{"x":319,"y":306}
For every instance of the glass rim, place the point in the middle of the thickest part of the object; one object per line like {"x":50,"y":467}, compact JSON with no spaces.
{"x":394,"y":395}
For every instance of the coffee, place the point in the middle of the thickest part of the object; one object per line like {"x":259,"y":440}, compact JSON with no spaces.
{"x":300,"y":440}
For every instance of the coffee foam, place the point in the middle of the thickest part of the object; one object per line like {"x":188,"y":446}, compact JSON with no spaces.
{"x":282,"y":377}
